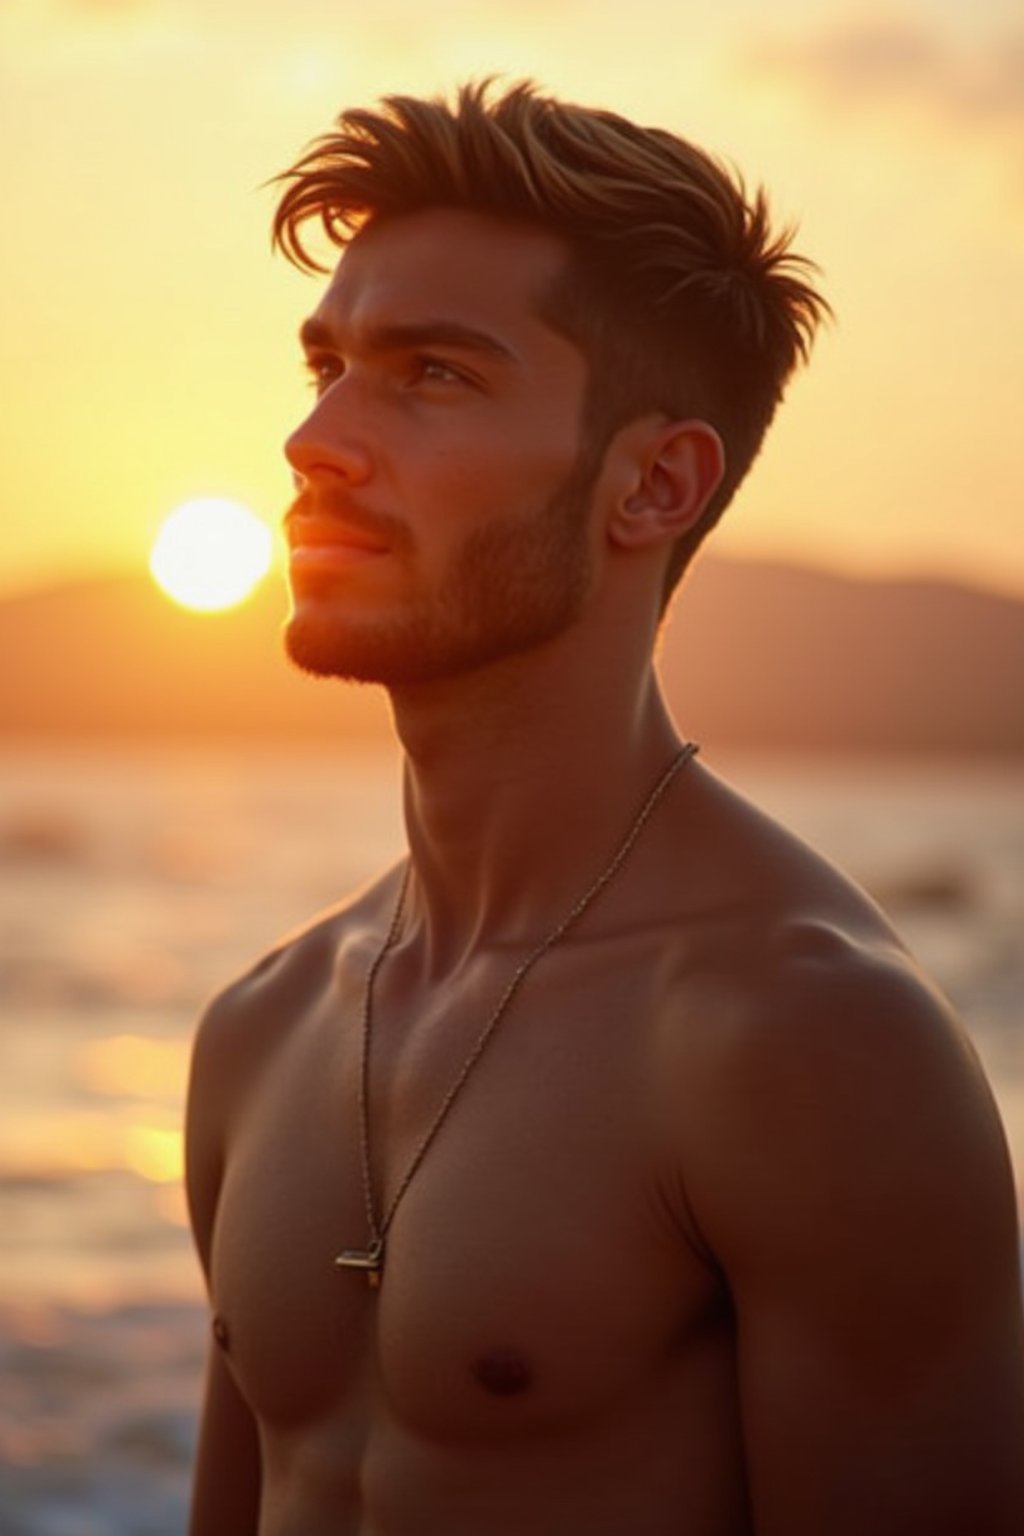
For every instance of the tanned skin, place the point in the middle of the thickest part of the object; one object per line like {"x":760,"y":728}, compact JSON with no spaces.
{"x":719,"y":1237}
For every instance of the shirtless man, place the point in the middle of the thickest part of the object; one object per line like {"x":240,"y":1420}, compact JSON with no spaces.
{"x":606,"y":1168}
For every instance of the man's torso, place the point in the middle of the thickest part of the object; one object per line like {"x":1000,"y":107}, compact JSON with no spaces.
{"x":551,"y":1348}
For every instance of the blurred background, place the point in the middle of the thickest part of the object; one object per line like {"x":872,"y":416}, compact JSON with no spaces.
{"x":850,"y":652}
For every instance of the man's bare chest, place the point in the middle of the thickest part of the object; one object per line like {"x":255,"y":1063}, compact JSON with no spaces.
{"x":535,"y":1267}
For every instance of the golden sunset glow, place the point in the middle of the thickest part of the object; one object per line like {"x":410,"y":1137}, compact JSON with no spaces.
{"x":132,"y":1064}
{"x":210,"y":554}
{"x":162,"y":355}
{"x":80,"y":1142}
{"x":90,"y":1142}
{"x":154,"y":1152}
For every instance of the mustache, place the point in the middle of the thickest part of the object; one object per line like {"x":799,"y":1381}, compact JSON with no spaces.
{"x":321,"y":503}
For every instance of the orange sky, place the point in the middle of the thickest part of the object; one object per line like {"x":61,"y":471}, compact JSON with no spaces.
{"x":149,"y":348}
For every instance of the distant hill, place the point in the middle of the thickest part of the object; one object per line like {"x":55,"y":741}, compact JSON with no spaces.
{"x":115,"y":657}
{"x":756,"y":655}
{"x":793,"y":658}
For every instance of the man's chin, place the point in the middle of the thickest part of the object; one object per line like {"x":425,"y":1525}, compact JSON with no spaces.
{"x":319,"y":649}
{"x":400,"y":659}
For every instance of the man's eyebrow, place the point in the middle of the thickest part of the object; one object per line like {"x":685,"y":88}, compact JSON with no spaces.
{"x":314,"y":334}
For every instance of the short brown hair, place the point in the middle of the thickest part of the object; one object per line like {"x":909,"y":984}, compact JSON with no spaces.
{"x":677,"y":291}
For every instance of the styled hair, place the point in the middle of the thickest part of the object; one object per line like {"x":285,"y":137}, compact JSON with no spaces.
{"x":676,"y":289}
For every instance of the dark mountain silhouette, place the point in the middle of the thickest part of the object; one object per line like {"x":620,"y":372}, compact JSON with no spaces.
{"x":765,"y":656}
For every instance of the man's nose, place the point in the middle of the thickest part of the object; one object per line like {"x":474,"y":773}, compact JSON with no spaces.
{"x":330,"y":440}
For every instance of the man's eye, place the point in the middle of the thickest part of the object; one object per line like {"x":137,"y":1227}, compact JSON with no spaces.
{"x":434,"y":370}
{"x":321,"y":372}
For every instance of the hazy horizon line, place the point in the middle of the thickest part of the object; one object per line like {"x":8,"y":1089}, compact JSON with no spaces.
{"x":65,"y":580}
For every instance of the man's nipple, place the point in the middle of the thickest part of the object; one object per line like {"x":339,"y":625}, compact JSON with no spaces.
{"x":219,"y":1329}
{"x":505,"y":1372}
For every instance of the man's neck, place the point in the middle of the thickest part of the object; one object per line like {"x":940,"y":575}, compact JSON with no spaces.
{"x":519,"y":785}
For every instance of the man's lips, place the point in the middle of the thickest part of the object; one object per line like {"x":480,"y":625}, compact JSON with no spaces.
{"x":320,"y":532}
{"x":327,"y":542}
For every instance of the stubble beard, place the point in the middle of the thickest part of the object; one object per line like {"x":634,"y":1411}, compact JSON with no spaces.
{"x":515,"y":584}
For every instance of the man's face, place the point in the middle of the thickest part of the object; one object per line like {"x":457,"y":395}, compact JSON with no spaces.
{"x":441,"y":521}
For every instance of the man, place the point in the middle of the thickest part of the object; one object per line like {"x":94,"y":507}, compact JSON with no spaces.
{"x":607,"y":1168}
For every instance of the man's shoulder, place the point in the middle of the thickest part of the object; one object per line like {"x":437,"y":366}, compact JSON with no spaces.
{"x":800,"y":1016}
{"x":258,"y":1006}
{"x":245,"y":1028}
{"x":802,"y":971}
{"x":820,"y":994}
{"x":770,"y":919}
{"x":832,"y":1108}
{"x":826,"y":992}
{"x":835,"y":1075}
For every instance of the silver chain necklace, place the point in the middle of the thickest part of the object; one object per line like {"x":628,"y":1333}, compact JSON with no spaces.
{"x":371,"y":1259}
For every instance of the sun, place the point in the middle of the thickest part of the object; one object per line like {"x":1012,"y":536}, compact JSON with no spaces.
{"x":210,"y":554}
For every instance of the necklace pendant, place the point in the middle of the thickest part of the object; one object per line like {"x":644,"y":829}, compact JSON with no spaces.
{"x":369,"y":1260}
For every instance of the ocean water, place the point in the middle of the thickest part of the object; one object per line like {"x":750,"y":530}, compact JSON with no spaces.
{"x":135,"y":881}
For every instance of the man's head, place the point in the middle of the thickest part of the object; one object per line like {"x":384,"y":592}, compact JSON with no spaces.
{"x":681,"y":298}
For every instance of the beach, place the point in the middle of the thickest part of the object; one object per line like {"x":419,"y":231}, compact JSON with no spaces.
{"x":135,"y":881}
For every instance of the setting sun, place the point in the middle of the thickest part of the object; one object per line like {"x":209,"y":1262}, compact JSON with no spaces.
{"x":210,"y":554}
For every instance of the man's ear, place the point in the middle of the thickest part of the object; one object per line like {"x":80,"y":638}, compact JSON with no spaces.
{"x":675,"y":467}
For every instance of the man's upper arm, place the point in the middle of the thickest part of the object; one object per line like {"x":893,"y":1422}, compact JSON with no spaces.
{"x":856,"y":1190}
{"x":227,"y":1478}
{"x":226,"y":1482}
{"x":229,"y":1052}
{"x":212,"y":1073}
